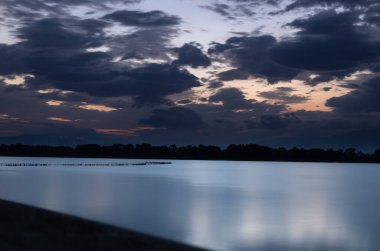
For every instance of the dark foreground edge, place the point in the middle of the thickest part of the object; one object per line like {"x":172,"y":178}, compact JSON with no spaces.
{"x":29,"y":228}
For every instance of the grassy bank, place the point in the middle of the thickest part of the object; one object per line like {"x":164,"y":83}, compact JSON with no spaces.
{"x":28,"y":228}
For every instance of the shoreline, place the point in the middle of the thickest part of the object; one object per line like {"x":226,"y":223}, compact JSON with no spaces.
{"x":150,"y":159}
{"x":29,"y":228}
{"x":233,"y":152}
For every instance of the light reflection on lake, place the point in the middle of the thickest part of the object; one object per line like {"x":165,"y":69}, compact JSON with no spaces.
{"x":220,"y":205}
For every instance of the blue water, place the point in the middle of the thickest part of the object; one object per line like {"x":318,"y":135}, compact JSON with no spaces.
{"x":219,"y":205}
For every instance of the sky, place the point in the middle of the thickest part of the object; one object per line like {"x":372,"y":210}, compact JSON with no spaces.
{"x":282,"y":73}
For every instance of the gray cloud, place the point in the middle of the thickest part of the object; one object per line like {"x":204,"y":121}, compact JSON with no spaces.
{"x":215,"y":85}
{"x":15,"y":63}
{"x":221,"y":9}
{"x":135,"y":68}
{"x":253,"y":55}
{"x":190,"y":55}
{"x":232,"y":75}
{"x":328,"y":41}
{"x":57,"y":135}
{"x":174,"y":118}
{"x":149,"y":84}
{"x":145,"y":43}
{"x":68,"y":34}
{"x":277,"y":121}
{"x":235,"y":9}
{"x":230,"y":108}
{"x":62,"y":61}
{"x":24,"y":10}
{"x":364,"y":99}
{"x":232,"y":98}
{"x":330,"y":44}
{"x":331,"y":3}
{"x":283,"y":94}
{"x":138,"y":18}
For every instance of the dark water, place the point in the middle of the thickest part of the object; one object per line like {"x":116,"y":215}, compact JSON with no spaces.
{"x":219,"y":205}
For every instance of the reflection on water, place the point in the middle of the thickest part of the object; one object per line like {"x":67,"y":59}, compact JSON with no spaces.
{"x":216,"y":204}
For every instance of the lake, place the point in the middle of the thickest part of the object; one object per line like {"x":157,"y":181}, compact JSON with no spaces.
{"x":219,"y":205}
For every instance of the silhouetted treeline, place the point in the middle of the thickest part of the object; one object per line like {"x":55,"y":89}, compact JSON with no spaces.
{"x":202,"y":152}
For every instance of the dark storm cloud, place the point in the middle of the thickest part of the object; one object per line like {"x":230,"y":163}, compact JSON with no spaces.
{"x":215,"y":85}
{"x":313,"y":129}
{"x":26,"y":11}
{"x":283,"y":94}
{"x":367,"y":10}
{"x":229,"y":112}
{"x":277,"y":121}
{"x":327,"y":76}
{"x":330,"y":44}
{"x":62,"y":61}
{"x":44,"y":128}
{"x":161,"y":80}
{"x":14,"y":63}
{"x":238,"y":119}
{"x":77,"y":99}
{"x":328,"y":130}
{"x":91,"y":25}
{"x":68,"y":34}
{"x":234,"y":9}
{"x":146,"y":43}
{"x":273,"y":121}
{"x":346,"y":3}
{"x":232,"y":98}
{"x":34,"y":107}
{"x":26,"y":7}
{"x":138,"y":18}
{"x":54,"y":134}
{"x":54,"y":47}
{"x":232,"y":75}
{"x":251,"y":124}
{"x":148,"y":40}
{"x":184,"y":101}
{"x":148,"y":84}
{"x":174,"y":118}
{"x":230,"y":103}
{"x":364,"y":99}
{"x":191,"y":55}
{"x":328,"y":41}
{"x":253,"y":55}
{"x":52,"y":68}
{"x":34,"y":112}
{"x":373,"y":19}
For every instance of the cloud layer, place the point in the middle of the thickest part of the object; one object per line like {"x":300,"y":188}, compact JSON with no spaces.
{"x":120,"y":70}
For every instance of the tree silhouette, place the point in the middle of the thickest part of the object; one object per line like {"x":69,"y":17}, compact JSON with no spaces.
{"x":251,"y":152}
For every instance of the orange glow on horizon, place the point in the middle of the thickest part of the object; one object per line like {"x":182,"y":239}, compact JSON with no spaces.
{"x":54,"y":102}
{"x":125,"y":132}
{"x":99,"y":108}
{"x":59,"y":119}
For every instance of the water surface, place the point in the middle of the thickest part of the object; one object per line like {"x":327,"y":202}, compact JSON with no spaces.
{"x":220,"y":205}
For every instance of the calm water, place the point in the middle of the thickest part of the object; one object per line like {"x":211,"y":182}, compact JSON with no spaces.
{"x":219,"y":205}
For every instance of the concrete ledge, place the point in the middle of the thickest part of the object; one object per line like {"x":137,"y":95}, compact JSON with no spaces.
{"x":29,"y":228}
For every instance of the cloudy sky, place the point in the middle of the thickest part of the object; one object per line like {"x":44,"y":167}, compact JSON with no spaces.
{"x":274,"y":72}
